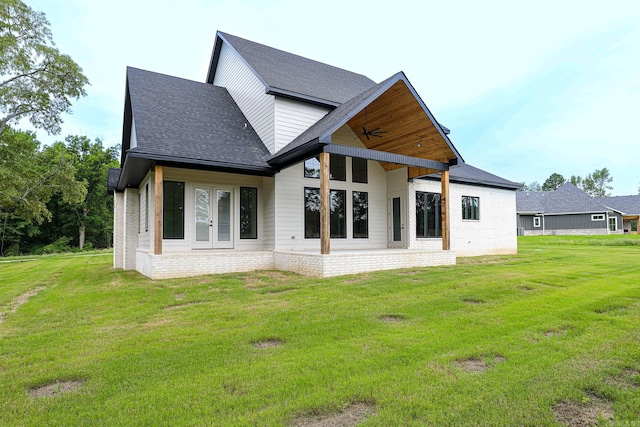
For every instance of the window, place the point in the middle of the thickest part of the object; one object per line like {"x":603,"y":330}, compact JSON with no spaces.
{"x":359,"y":170}
{"x":173,"y":210}
{"x":536,"y":221}
{"x":140,"y":219}
{"x":597,"y":217}
{"x":337,"y":167}
{"x":470,"y":207}
{"x":360,"y":215}
{"x":337,"y":219}
{"x":428,"y":215}
{"x":248,"y":213}
{"x":613,"y":223}
{"x":146,"y":208}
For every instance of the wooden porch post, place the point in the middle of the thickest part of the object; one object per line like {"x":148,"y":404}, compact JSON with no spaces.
{"x":157,"y":204}
{"x":324,"y":204}
{"x":446,"y":223}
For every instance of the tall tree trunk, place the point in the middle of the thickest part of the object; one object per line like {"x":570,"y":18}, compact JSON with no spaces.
{"x":82,"y":229}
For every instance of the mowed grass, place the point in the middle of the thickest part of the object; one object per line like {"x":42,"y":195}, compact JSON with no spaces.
{"x":558,"y":322}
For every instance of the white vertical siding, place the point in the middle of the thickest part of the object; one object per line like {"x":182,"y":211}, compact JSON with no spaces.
{"x":145,"y":222}
{"x":133,"y":141}
{"x":292,"y":118}
{"x":248,"y":92}
{"x":118,"y":230}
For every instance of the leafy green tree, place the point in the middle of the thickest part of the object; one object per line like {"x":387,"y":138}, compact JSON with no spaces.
{"x":532,"y":186}
{"x":29,"y":177}
{"x":36,"y":81}
{"x":576,"y":180}
{"x":596,"y":184}
{"x":92,"y":162}
{"x":553,"y":182}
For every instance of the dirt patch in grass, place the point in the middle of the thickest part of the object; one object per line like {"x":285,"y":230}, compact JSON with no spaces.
{"x":350,"y":416}
{"x":22,"y":299}
{"x":186,"y":304}
{"x":556,"y":332}
{"x":55,"y":389}
{"x":357,"y":279}
{"x":526,"y":288}
{"x":475,"y":365}
{"x":472,"y":301}
{"x":392,"y":318}
{"x":268,"y":343}
{"x":584,"y":414}
{"x":628,"y":379}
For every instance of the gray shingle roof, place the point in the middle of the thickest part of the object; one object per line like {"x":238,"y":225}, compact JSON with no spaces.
{"x":565,"y":199}
{"x":295,"y":76}
{"x":467,"y":174}
{"x":113,"y":175}
{"x":628,"y":205}
{"x":183,"y":120}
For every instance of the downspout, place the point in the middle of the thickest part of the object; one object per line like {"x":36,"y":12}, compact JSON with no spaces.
{"x":543,"y":224}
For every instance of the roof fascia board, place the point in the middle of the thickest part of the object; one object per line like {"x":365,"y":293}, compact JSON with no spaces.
{"x":304,"y":151}
{"x":383,"y":156}
{"x":126,"y":127}
{"x":215,"y":57}
{"x":470,"y":181}
{"x":198,"y":162}
{"x":570,"y":213}
{"x":299,"y":97}
{"x":615,"y":210}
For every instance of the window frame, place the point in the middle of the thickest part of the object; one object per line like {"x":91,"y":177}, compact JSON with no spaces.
{"x":597,"y":217}
{"x":470,"y":209}
{"x":615,"y":223}
{"x":337,"y":163}
{"x":165,"y":210}
{"x":365,"y":170}
{"x":353,"y":215}
{"x":437,"y":199}
{"x":254,"y":214}
{"x":537,"y":221}
{"x":146,"y":208}
{"x":316,"y":190}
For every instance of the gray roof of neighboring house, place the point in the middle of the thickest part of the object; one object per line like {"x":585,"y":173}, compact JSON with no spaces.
{"x":180,"y":120}
{"x":565,"y":199}
{"x":293,"y":76}
{"x":628,"y":205}
{"x":467,"y":174}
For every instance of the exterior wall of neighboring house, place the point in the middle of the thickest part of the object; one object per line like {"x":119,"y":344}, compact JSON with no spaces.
{"x":291,"y":118}
{"x":493,"y":233}
{"x":249,"y":93}
{"x":570,"y":224}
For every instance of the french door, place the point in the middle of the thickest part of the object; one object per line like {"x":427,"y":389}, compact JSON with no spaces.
{"x":213,"y":218}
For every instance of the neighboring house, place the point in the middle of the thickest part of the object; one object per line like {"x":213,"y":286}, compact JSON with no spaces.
{"x":564,"y":211}
{"x":628,"y":207}
{"x":278,"y":161}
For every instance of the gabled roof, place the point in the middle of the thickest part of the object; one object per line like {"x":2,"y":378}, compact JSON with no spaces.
{"x":467,"y":174}
{"x":186,"y":122}
{"x":320,"y":133}
{"x":566,"y":199}
{"x":626,"y":205}
{"x":292,"y":76}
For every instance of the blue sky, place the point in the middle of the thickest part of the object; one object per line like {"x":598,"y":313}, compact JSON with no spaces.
{"x":527,"y":88}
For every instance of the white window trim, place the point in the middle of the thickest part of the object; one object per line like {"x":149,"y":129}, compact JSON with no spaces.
{"x":597,"y":217}
{"x":615,"y":222}
{"x":537,"y":221}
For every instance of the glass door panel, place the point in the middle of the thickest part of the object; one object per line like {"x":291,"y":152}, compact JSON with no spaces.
{"x":224,"y":216}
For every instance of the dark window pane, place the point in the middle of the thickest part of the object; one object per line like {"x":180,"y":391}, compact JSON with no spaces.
{"x":428,"y":215}
{"x":470,"y":207}
{"x":146,"y":208}
{"x":248,"y":213}
{"x":173,"y":210}
{"x":360,"y":215}
{"x":338,"y":215}
{"x":311,"y":213}
{"x":397,"y":236}
{"x":312,"y":167}
{"x":359,"y":170}
{"x":337,"y":167}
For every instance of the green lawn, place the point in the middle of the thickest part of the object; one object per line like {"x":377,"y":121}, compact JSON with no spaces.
{"x":557,"y":328}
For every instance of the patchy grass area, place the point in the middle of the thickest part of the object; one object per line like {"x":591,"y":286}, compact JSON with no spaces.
{"x":550,"y":336}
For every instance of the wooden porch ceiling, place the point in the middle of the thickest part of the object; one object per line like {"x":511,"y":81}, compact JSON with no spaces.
{"x":407,"y":128}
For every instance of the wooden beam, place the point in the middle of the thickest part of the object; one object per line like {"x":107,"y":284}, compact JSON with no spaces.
{"x":446,"y":222}
{"x":324,"y":204}
{"x":157,"y":204}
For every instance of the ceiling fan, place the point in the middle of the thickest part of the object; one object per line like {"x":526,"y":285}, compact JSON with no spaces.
{"x":367,"y":133}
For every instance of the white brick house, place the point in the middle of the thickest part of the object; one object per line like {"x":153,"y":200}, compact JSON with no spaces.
{"x":278,"y":161}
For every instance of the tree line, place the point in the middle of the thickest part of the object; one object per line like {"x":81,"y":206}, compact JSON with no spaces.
{"x":52,"y":197}
{"x":595,"y":184}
